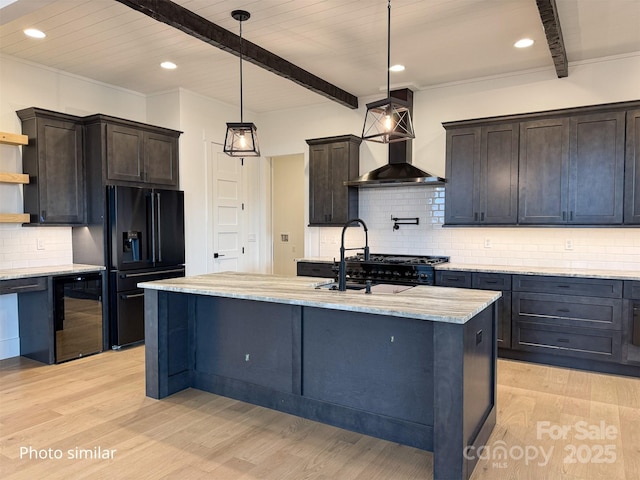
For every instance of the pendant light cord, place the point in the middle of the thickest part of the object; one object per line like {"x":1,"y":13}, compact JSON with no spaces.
{"x":388,"y":49}
{"x":241,"y":117}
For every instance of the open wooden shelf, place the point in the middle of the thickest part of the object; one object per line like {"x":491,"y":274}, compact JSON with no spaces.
{"x":13,"y":138}
{"x":14,"y":178}
{"x":14,"y":218}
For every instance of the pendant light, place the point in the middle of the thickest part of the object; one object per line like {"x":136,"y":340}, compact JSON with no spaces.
{"x":388,"y":120}
{"x":242,"y":138}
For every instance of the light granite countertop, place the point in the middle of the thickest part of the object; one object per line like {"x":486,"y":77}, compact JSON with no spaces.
{"x":438,"y":304}
{"x":545,"y":271}
{"x":27,"y":272}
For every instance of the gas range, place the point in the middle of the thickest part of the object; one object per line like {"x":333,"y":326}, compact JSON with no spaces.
{"x":394,"y":269}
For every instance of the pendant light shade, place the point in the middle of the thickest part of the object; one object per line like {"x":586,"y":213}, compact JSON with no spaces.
{"x":388,"y":120}
{"x":241,"y":139}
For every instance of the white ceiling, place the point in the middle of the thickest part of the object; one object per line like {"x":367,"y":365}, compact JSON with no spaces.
{"x":341,"y":41}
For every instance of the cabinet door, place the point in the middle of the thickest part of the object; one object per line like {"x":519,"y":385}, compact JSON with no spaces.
{"x":498,"y":189}
{"x":596,"y":168}
{"x":160,"y":159}
{"x":632,"y":169}
{"x":124,"y":153}
{"x":60,"y":177}
{"x":339,"y":168}
{"x":543,"y":175}
{"x":319,"y":184}
{"x":462,"y":172}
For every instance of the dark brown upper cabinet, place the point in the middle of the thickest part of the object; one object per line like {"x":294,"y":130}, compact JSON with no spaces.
{"x":132,"y":153}
{"x":482,"y":175}
{"x":572,"y":170}
{"x":632,"y":169}
{"x":333,"y":161}
{"x":54,"y":161}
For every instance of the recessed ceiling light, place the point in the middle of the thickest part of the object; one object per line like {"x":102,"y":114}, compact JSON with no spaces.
{"x":523,"y":43}
{"x":396,"y":68}
{"x":34,"y":33}
{"x":169,"y":65}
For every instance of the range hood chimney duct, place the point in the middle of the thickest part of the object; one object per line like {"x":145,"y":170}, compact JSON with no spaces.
{"x":398,"y":171}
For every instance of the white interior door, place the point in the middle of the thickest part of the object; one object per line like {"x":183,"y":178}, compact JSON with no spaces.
{"x":226,"y":217}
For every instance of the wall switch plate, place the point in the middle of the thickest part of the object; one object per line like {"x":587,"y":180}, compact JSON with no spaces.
{"x":568,"y":244}
{"x":40,"y":245}
{"x":487,"y":243}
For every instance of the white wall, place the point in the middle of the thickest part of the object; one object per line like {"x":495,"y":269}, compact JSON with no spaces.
{"x":594,"y":82}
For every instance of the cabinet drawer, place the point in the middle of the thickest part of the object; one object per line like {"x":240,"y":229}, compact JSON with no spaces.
{"x":590,"y":312}
{"x":590,"y":287}
{"x":632,"y":289}
{"x":453,"y":279}
{"x":587,"y":343}
{"x":491,"y":281}
{"x":22,"y":285}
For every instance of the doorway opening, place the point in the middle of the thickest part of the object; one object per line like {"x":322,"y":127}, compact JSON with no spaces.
{"x":287,"y":187}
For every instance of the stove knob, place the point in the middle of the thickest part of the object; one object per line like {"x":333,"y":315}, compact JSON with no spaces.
{"x":396,"y":274}
{"x":407,"y":274}
{"x":387,"y":272}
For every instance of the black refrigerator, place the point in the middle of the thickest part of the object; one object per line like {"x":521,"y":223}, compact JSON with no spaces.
{"x":145,"y":242}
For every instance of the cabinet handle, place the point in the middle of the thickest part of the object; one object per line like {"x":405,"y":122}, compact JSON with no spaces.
{"x":491,"y":282}
{"x":475,"y":216}
{"x":564,"y":286}
{"x":43,"y":215}
{"x":134,"y":295}
{"x":452,"y":279}
{"x":482,"y":217}
{"x":564,"y":215}
{"x":563,"y":310}
{"x":571,"y":215}
{"x":564,"y":340}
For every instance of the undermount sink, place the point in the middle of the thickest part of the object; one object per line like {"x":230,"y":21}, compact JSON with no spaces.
{"x":375,"y":288}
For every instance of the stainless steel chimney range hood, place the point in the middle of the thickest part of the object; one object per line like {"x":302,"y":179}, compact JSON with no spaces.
{"x":398,"y":171}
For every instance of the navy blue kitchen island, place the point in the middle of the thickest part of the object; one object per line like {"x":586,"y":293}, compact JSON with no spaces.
{"x":417,"y":368}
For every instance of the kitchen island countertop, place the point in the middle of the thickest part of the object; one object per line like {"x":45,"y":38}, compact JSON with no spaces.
{"x":439,"y":304}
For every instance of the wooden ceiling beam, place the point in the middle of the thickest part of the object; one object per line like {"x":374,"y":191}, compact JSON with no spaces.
{"x":199,"y":27}
{"x":551,"y":23}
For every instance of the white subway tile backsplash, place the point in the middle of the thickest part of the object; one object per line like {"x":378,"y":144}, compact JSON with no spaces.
{"x":617,"y":248}
{"x":18,"y":246}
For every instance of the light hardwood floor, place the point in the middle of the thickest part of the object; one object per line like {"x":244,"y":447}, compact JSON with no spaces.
{"x":98,"y":401}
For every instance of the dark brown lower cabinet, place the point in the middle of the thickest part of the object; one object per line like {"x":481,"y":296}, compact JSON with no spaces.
{"x":587,"y":326}
{"x":485,"y":281}
{"x":575,"y":322}
{"x":631,"y":323}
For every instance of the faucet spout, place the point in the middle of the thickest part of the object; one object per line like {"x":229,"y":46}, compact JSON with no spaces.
{"x":342,"y":272}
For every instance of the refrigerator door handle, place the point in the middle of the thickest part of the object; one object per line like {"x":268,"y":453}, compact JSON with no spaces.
{"x":159,"y":231}
{"x":153,"y":228}
{"x":125,"y":296}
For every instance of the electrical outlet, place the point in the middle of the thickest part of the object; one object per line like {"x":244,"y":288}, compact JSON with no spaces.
{"x":568,"y":244}
{"x":487,"y":243}
{"x":40,"y":245}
